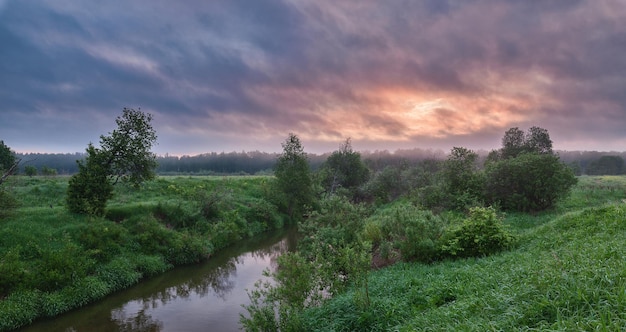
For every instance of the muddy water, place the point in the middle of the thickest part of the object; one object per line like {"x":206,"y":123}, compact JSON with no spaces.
{"x":203,"y":297}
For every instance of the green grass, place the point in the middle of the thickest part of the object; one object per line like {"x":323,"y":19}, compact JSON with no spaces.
{"x":52,"y":261}
{"x":566,"y":274}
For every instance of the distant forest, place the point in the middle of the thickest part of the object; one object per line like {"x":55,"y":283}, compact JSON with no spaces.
{"x":233,"y":163}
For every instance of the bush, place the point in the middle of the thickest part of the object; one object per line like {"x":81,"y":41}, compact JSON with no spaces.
{"x":416,"y":233}
{"x":175,"y":216}
{"x":60,"y":267}
{"x":482,"y":234}
{"x":529,"y":182}
{"x":89,"y":190}
{"x":102,"y":239}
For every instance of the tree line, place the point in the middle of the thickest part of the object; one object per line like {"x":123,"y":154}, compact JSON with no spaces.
{"x":257,"y":162}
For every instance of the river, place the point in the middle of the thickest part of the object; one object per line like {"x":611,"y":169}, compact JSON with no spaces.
{"x":201,"y":297}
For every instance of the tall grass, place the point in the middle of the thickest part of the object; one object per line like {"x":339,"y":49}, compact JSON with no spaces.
{"x":567,"y":274}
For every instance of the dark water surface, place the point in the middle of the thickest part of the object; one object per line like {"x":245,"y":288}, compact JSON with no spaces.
{"x":202,"y":297}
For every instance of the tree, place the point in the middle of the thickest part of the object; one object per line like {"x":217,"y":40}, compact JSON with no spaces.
{"x":8,"y":162}
{"x":123,"y":155}
{"x":90,"y":189}
{"x":461,"y":179}
{"x":526,"y":175}
{"x":30,"y":170}
{"x":515,"y":142}
{"x":7,"y":157}
{"x":606,"y":165}
{"x":344,"y":169}
{"x":538,"y":140}
{"x":512,"y":143}
{"x":293,"y":178}
{"x":529,"y":182}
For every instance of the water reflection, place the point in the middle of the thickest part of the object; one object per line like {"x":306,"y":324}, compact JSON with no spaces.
{"x":204,"y":297}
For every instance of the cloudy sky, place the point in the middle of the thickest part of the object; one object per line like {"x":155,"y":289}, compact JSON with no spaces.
{"x":237,"y":75}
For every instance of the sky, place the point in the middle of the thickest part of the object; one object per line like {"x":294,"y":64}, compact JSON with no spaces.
{"x":240,"y":75}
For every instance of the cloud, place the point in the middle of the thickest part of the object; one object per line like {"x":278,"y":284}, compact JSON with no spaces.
{"x":235,"y":72}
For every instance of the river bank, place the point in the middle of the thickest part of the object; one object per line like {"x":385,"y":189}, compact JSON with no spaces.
{"x":53,"y":261}
{"x":197,"y":297}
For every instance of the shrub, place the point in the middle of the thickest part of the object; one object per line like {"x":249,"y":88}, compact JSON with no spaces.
{"x":175,"y":216}
{"x":102,"y":239}
{"x":529,"y":182}
{"x":482,"y":234}
{"x":415,"y":232}
{"x":58,"y":268}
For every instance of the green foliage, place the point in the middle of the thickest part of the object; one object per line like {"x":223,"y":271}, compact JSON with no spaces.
{"x":529,"y":182}
{"x":102,"y":239}
{"x":344,"y":169}
{"x":275,"y":306}
{"x":47,"y":171}
{"x":7,"y":203}
{"x":516,"y":142}
{"x":482,"y":234}
{"x":294,"y":184}
{"x":393,"y":182}
{"x":606,"y":165}
{"x":415,"y":233}
{"x":69,"y":260}
{"x":12,"y":270}
{"x":7,"y":157}
{"x":386,"y":185}
{"x":330,"y":257}
{"x":58,"y":268}
{"x":30,"y":170}
{"x":177,"y":248}
{"x":90,"y":189}
{"x":128,"y":147}
{"x":125,"y":155}
{"x":565,"y":274}
{"x":462,"y":183}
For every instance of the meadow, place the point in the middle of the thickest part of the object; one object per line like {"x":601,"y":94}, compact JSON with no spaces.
{"x":52,"y":261}
{"x":565,"y":273}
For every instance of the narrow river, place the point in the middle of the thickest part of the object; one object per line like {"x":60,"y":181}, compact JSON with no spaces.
{"x":202,"y":297}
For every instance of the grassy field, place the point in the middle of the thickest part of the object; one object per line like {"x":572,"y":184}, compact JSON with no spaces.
{"x":566,"y":273}
{"x":52,"y":261}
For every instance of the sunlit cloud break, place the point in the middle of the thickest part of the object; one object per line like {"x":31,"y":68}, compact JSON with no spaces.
{"x":241,"y":75}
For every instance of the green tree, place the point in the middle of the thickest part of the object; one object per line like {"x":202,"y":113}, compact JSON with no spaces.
{"x":606,"y":165}
{"x":8,"y":162}
{"x":529,"y":182}
{"x":516,"y":142}
{"x":344,"y":169}
{"x":512,"y":143}
{"x":47,"y":171}
{"x":123,"y":155}
{"x":30,"y":170}
{"x":293,"y":178}
{"x":461,"y":178}
{"x":538,"y":140}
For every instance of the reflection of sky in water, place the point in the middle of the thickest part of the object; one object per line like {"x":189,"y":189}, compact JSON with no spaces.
{"x":193,"y":307}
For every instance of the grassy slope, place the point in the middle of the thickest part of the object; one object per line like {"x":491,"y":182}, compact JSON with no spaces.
{"x":567,"y":273}
{"x":52,"y":261}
